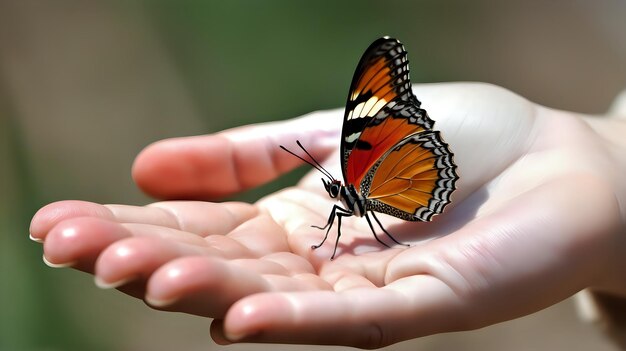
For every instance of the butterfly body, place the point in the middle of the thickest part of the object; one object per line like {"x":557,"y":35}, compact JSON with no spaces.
{"x":347,"y":195}
{"x":392,"y":160}
{"x":354,"y":204}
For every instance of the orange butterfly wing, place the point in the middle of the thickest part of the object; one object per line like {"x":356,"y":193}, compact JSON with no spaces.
{"x":381,"y":135}
{"x":381,"y":109}
{"x":413,"y":180}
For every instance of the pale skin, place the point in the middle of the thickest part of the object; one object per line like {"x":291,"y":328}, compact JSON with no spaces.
{"x":538,"y":215}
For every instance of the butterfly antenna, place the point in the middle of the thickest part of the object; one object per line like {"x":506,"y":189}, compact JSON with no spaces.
{"x":314,"y":165}
{"x":314,"y":160}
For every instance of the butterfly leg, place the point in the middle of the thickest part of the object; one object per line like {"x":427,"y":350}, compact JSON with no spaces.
{"x":331,"y":218}
{"x":339,"y":216}
{"x":384,"y":230}
{"x":335,"y":212}
{"x":369,"y":221}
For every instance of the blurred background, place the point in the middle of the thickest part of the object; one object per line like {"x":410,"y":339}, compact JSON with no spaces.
{"x":85,"y":85}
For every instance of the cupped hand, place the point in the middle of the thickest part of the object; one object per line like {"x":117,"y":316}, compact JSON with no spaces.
{"x":536,"y":218}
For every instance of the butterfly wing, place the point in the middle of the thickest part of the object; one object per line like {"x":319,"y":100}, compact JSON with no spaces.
{"x":413,"y":180}
{"x":381,"y":109}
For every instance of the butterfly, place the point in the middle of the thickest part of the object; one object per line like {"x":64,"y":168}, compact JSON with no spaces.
{"x":392,"y":160}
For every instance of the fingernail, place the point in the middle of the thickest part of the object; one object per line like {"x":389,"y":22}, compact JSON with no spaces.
{"x":111,"y":285}
{"x":158,"y":302}
{"x":37,"y":240}
{"x":237,"y":337}
{"x":57,"y":265}
{"x":217,"y":333}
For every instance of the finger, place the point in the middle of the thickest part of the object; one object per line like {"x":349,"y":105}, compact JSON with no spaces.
{"x":201,"y":218}
{"x":50,"y":215}
{"x":208,"y":286}
{"x":217,"y":165}
{"x":365,"y":318}
{"x":136,"y":258}
{"x":77,"y":242}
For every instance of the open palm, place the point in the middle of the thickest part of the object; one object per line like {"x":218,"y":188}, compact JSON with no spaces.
{"x":535,"y":219}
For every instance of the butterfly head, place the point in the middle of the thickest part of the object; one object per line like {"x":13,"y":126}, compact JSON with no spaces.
{"x":332,"y":187}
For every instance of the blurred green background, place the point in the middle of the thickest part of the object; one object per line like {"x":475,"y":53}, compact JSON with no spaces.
{"x":85,"y":85}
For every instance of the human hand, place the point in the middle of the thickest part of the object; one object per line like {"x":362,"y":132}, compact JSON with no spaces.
{"x":536,"y":218}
